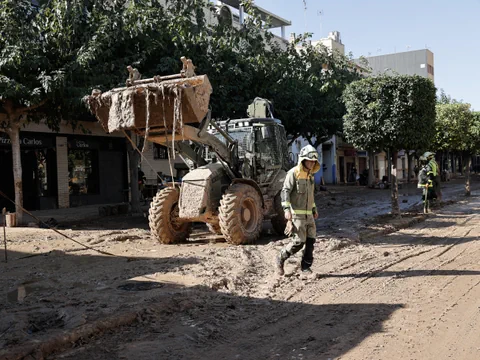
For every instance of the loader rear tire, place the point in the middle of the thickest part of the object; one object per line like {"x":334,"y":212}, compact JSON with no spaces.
{"x":278,"y":220}
{"x":163,"y":218}
{"x":241,"y":214}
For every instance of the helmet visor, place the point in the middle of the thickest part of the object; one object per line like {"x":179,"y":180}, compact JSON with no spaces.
{"x":312,"y":156}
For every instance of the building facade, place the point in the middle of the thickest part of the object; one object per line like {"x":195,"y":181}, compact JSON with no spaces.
{"x":415,"y":62}
{"x":67,"y":168}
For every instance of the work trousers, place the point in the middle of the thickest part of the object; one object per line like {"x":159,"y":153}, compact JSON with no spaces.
{"x":304,"y":234}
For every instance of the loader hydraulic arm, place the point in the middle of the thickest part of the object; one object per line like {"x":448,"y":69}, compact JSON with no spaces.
{"x":227,"y":152}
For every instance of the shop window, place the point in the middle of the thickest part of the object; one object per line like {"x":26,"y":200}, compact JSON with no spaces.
{"x":83,"y":172}
{"x":159,"y":152}
{"x":42,"y":172}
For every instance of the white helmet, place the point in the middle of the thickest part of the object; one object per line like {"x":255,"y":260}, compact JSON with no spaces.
{"x":428,"y":155}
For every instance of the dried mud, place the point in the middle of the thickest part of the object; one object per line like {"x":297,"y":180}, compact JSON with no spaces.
{"x":412,"y":293}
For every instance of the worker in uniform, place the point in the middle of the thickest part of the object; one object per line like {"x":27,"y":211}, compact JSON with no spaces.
{"x":433,"y":172}
{"x":300,"y":211}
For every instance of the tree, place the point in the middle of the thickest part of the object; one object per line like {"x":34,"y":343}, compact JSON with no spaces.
{"x":53,"y":54}
{"x":457,"y":129}
{"x":390,"y":113}
{"x":29,"y":75}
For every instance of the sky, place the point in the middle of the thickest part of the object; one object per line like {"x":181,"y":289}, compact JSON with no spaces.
{"x":451,"y":30}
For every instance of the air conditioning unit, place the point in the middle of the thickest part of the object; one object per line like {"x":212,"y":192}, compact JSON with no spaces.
{"x":225,"y":15}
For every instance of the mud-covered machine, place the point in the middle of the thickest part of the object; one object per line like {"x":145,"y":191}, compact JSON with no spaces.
{"x":237,"y":167}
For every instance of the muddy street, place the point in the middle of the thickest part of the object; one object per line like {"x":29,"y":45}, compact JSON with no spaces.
{"x":410,"y":294}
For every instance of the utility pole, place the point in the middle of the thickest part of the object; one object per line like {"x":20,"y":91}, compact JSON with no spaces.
{"x":305,"y":14}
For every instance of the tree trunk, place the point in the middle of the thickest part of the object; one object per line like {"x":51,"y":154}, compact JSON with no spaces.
{"x":409,"y":167}
{"x":454,"y":161}
{"x":14,"y":133}
{"x":394,"y":184}
{"x":462,"y":164}
{"x":389,"y":165}
{"x":133,"y":158}
{"x":468,"y":161}
{"x":371,"y":168}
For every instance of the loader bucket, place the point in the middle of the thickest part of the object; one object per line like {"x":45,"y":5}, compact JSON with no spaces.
{"x":157,"y":103}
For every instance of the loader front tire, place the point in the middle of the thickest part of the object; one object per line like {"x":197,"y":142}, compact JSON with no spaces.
{"x":278,"y":220}
{"x":241,"y":214}
{"x":163,"y":218}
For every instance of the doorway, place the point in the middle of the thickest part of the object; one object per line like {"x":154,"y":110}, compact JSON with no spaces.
{"x":362,"y":164}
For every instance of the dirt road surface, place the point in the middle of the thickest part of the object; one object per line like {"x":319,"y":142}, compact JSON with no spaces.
{"x":413,"y":294}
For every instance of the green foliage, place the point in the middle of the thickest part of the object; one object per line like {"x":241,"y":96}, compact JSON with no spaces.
{"x":307,"y":89}
{"x":57,"y":53}
{"x":457,"y":128}
{"x":390,"y":112}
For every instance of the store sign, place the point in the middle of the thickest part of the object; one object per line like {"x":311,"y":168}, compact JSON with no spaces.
{"x":96,"y":143}
{"x":82,"y":143}
{"x":30,"y":140}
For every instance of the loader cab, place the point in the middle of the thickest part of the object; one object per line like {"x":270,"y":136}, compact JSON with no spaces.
{"x":262,"y":147}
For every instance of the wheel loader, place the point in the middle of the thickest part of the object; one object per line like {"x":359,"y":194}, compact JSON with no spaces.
{"x":237,"y":167}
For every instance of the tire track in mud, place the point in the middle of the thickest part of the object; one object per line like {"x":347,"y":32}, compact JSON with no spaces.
{"x":431,"y":310}
{"x":349,"y":277}
{"x":374,"y":270}
{"x":416,"y":265}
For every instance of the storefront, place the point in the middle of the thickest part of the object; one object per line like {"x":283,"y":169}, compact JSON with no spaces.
{"x":39,"y":170}
{"x":351,"y":163}
{"x":97,"y":170}
{"x":65,"y":170}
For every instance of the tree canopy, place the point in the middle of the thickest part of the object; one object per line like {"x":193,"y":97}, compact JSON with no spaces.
{"x":454,"y":128}
{"x":390,"y":112}
{"x":56,"y":53}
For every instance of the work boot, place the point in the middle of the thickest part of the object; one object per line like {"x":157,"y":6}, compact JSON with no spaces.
{"x":284,"y":255}
{"x":280,"y":263}
{"x":307,"y":274}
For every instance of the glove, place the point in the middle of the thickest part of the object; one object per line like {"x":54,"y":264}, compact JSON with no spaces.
{"x":289,"y":228}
